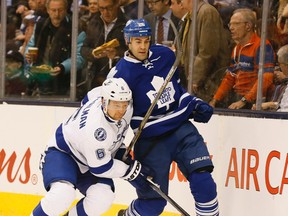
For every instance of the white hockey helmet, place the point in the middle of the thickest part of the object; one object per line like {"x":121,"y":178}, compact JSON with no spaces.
{"x":115,"y":89}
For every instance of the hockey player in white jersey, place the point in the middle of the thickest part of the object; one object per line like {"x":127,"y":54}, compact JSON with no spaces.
{"x":168,"y":134}
{"x":85,"y":154}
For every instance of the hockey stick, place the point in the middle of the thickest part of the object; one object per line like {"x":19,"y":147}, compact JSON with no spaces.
{"x":159,"y":93}
{"x":157,"y":188}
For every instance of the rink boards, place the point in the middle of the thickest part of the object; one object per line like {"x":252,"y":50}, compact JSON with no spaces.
{"x":250,"y":157}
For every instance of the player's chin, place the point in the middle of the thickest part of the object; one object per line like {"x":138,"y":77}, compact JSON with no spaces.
{"x":142,"y":56}
{"x":117,"y":117}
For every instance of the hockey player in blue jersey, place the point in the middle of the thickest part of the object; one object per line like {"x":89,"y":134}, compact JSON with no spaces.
{"x":168,"y":135}
{"x":86,"y":152}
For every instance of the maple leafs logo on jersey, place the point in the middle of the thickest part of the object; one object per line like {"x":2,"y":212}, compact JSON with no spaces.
{"x":100,"y":134}
{"x":167,"y":97}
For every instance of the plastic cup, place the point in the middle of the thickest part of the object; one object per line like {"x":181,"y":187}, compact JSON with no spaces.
{"x":33,"y":52}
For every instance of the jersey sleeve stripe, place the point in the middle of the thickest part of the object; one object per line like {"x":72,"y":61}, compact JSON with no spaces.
{"x":60,"y":140}
{"x":102,"y":169}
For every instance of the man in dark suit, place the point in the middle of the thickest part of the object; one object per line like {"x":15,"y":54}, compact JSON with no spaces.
{"x":161,"y":9}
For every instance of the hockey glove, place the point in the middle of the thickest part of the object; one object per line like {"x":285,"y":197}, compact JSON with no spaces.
{"x":119,"y":156}
{"x":137,"y":174}
{"x":203,"y":112}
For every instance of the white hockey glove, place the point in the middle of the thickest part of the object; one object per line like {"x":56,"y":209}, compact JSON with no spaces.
{"x":137,"y":174}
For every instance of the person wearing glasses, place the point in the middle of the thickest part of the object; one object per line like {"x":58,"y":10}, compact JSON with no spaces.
{"x":52,"y":36}
{"x":86,"y":152}
{"x":158,"y":20}
{"x":239,"y":85}
{"x":107,"y":24}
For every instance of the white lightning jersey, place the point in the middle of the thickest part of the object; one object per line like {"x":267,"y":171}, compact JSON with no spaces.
{"x":92,"y":139}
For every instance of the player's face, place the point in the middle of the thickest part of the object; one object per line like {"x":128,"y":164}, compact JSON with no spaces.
{"x":117,"y":109}
{"x":139,"y":46}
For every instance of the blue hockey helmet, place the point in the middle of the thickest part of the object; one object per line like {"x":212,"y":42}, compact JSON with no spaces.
{"x":136,"y":28}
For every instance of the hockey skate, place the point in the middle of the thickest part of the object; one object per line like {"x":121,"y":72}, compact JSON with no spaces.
{"x":122,"y":212}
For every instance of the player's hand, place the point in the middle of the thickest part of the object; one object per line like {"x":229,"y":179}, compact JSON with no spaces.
{"x":137,"y":174}
{"x":203,"y":111}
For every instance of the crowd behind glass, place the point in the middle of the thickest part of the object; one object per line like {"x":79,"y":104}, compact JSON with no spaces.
{"x":39,"y":43}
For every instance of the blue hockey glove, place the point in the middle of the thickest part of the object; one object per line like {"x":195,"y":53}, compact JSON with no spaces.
{"x":203,"y":112}
{"x":119,"y":156}
{"x":137,"y":174}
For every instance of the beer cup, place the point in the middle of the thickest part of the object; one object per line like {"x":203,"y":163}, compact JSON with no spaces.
{"x":33,"y":52}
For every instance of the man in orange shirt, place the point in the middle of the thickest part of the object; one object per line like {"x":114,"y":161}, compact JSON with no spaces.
{"x":241,"y":78}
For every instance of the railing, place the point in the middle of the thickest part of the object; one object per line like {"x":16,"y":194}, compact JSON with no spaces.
{"x":71,"y":100}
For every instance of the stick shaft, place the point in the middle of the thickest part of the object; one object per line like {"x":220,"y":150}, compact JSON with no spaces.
{"x":156,"y":188}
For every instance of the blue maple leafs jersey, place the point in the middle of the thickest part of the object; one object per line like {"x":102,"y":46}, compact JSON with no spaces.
{"x":145,"y":78}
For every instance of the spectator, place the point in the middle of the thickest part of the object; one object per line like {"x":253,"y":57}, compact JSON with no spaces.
{"x":178,"y":10}
{"x":15,"y":80}
{"x":86,"y":154}
{"x":161,"y":12}
{"x":211,"y":52}
{"x":130,"y":8}
{"x":281,"y":21}
{"x":282,"y":24}
{"x":106,"y":25}
{"x":41,"y":9}
{"x":27,"y":27}
{"x":52,"y":37}
{"x":92,"y":11}
{"x":241,"y":78}
{"x":279,"y":100}
{"x":14,"y":18}
{"x":168,"y":135}
{"x":83,"y":6}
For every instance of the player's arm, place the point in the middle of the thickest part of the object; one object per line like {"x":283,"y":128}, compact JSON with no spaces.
{"x":102,"y":164}
{"x":134,"y":172}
